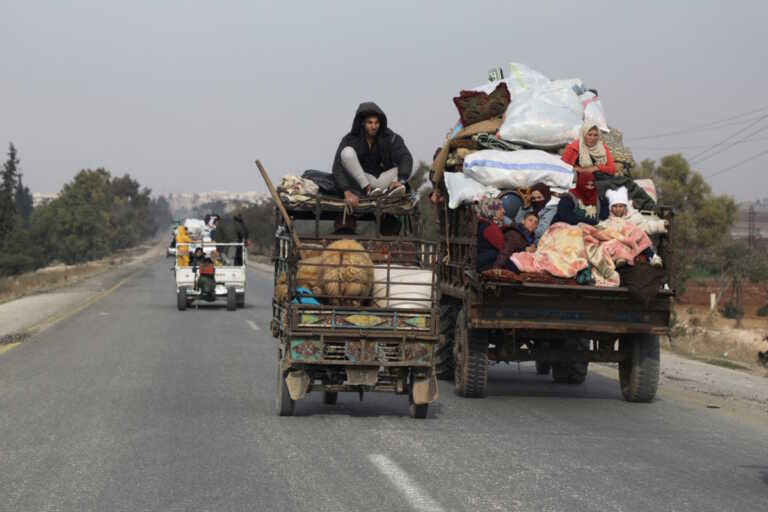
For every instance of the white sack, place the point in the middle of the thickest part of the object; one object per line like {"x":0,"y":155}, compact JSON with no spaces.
{"x":548,"y":116}
{"x":517,"y":169}
{"x":463,"y":189}
{"x":650,"y":188}
{"x":593,"y":109}
{"x":194,"y":227}
{"x":521,"y":78}
{"x":401,"y":295}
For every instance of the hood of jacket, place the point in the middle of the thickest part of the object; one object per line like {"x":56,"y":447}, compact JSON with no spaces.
{"x":366,"y":109}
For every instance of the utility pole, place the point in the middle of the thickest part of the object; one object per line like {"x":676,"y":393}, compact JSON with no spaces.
{"x":752,"y":228}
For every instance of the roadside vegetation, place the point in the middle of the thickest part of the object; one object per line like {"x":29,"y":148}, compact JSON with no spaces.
{"x":92,"y":217}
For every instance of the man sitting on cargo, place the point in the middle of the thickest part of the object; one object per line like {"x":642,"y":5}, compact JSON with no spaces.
{"x":371,"y":160}
{"x":588,"y":153}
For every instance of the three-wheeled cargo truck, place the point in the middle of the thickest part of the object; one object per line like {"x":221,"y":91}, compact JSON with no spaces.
{"x":336,"y":332}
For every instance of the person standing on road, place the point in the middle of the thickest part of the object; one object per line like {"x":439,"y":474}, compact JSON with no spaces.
{"x":371,"y":159}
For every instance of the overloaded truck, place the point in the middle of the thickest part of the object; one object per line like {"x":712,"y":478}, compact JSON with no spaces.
{"x":509,"y":138}
{"x":562,"y":327}
{"x":355,"y":306}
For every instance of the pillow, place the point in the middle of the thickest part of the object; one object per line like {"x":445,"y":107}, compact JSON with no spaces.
{"x":475,"y":106}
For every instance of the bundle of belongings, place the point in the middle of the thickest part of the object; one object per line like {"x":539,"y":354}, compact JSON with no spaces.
{"x":316,"y":186}
{"x":345,"y":273}
{"x":516,"y":136}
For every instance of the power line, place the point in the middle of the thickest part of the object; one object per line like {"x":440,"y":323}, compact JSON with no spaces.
{"x":706,"y":126}
{"x":696,"y":146}
{"x":721,"y":171}
{"x":725,"y":141}
{"x":726,"y":148}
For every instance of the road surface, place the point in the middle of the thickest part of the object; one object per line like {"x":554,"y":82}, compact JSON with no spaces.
{"x":132,"y":405}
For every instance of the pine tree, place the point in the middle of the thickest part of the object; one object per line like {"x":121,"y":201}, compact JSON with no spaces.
{"x":7,"y":191}
{"x":23,"y":201}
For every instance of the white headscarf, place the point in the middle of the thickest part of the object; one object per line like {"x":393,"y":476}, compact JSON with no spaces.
{"x":596,"y":152}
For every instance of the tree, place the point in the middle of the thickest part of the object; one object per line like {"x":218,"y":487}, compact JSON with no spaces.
{"x":23,"y":201}
{"x":702,"y":221}
{"x":428,"y":220}
{"x":7,"y":190}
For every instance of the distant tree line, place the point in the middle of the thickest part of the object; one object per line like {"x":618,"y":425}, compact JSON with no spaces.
{"x":94,"y":215}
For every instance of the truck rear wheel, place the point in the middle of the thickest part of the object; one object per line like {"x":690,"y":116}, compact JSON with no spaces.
{"x":283,"y":401}
{"x":181,"y":298}
{"x":231,"y":299}
{"x":470,"y":349}
{"x":639,"y":372}
{"x":571,"y":373}
{"x":444,"y":362}
{"x":241,"y":300}
{"x":418,"y":411}
{"x":330,"y":397}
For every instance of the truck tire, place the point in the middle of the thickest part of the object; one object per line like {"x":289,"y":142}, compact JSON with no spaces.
{"x":241,"y":300}
{"x":639,"y":372}
{"x":283,"y":401}
{"x":470,"y":349}
{"x":419,"y":411}
{"x":543,"y":368}
{"x":181,"y":298}
{"x":231,"y":299}
{"x":571,"y":373}
{"x":330,"y":397}
{"x":444,"y":362}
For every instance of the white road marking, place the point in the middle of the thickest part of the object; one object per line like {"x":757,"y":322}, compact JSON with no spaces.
{"x":253,"y":325}
{"x":415,"y":495}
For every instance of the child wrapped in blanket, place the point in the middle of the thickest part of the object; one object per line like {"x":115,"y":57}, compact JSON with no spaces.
{"x":618,"y":221}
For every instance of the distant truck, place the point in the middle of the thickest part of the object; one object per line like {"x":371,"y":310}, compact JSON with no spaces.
{"x":209,"y":282}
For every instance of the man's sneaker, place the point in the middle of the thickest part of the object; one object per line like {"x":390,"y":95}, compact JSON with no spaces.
{"x":656,"y":261}
{"x":373,"y":193}
{"x":397,"y":192}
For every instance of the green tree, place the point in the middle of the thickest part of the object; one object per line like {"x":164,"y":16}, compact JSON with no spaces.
{"x":428,"y":213}
{"x":702,"y":221}
{"x":23,"y":201}
{"x":7,"y":190}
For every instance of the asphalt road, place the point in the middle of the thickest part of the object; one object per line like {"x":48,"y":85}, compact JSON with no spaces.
{"x":132,"y":405}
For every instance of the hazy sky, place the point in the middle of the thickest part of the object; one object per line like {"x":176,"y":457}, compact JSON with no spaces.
{"x":184,"y":95}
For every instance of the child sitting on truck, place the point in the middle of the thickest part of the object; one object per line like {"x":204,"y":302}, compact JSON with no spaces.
{"x":517,"y":238}
{"x":618,"y":200}
{"x":494,"y":245}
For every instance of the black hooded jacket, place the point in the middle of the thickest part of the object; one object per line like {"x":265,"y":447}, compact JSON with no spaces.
{"x":387,"y":151}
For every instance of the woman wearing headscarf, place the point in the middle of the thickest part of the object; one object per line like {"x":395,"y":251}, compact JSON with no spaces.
{"x":588,"y":153}
{"x":490,"y":239}
{"x":542,"y":205}
{"x":582,"y":203}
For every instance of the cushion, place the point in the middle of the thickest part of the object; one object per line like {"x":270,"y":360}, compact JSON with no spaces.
{"x":477,"y":106}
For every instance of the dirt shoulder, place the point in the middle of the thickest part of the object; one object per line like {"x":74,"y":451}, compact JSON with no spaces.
{"x":39,"y":302}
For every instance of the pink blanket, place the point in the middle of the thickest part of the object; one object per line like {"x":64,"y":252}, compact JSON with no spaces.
{"x":565,"y":250}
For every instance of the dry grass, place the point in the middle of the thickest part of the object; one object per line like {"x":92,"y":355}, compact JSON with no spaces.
{"x":717,"y":340}
{"x":57,"y":276}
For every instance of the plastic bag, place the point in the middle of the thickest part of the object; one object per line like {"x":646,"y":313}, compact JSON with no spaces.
{"x":593,"y":109}
{"x":518,"y":169}
{"x":549,"y":116}
{"x":463,"y":189}
{"x":521,"y":78}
